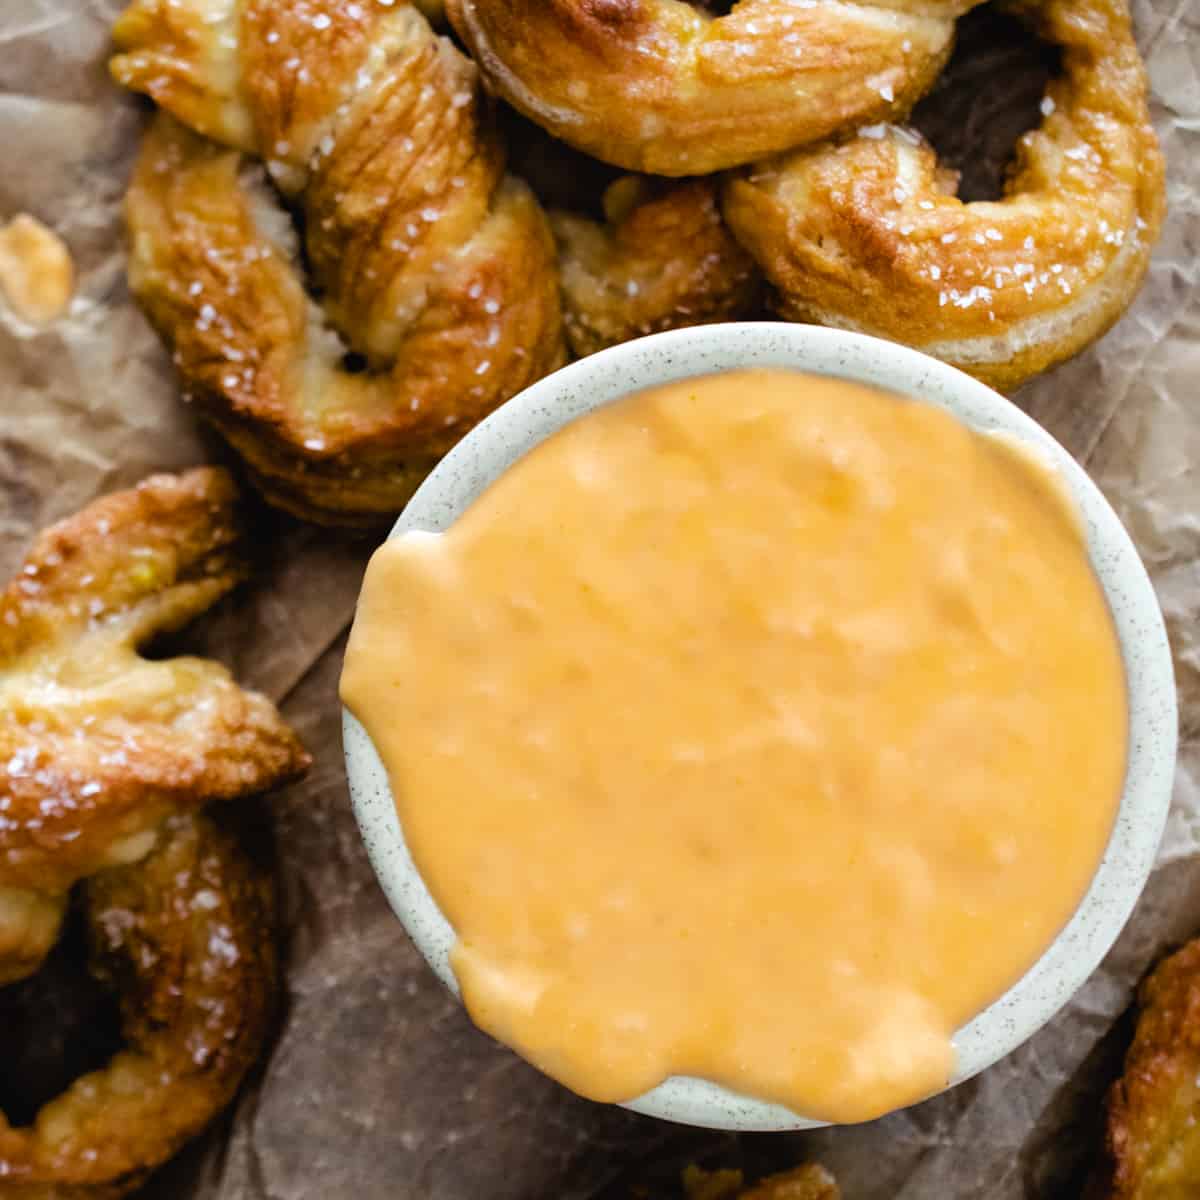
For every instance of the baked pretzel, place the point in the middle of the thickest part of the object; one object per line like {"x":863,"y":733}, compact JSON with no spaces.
{"x":185,"y":939}
{"x":1151,"y":1135}
{"x":808,"y":1182}
{"x":99,"y":746}
{"x":663,"y":259}
{"x":435,"y":268}
{"x":661,"y":86}
{"x":867,"y":234}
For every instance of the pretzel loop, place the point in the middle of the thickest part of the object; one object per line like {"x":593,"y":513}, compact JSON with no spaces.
{"x":429,"y":266}
{"x":867,"y":234}
{"x":661,"y":86}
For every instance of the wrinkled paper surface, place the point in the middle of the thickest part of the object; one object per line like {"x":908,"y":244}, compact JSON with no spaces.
{"x":377,"y":1085}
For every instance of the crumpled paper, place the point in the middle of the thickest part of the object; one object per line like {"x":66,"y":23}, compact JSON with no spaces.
{"x":377,"y":1085}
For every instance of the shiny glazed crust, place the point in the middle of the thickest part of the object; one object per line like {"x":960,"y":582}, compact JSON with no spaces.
{"x":663,"y":260}
{"x":435,"y":268}
{"x":867,"y":234}
{"x":1152,"y":1139}
{"x":98,"y":745}
{"x":659,"y":86}
{"x":186,"y":939}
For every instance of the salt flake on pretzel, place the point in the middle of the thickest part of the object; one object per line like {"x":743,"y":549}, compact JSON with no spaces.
{"x":661,"y":86}
{"x":98,"y":745}
{"x":867,"y":234}
{"x":428,"y":262}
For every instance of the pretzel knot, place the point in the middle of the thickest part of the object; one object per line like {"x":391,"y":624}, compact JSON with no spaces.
{"x":867,"y":234}
{"x":185,"y":939}
{"x":661,"y":86}
{"x":434,"y":270}
{"x":99,"y":746}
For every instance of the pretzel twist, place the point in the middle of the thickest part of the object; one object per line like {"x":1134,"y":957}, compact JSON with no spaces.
{"x":99,"y":746}
{"x":661,"y":86}
{"x":431,"y":264}
{"x":867,"y":234}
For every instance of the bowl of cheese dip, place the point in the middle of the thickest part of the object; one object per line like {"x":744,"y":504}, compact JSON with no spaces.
{"x":760,"y":725}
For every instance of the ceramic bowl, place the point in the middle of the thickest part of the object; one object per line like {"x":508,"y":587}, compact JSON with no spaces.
{"x":515,"y":428}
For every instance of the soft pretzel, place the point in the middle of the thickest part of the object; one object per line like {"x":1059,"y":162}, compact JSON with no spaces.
{"x":663,"y":259}
{"x":867,"y":234}
{"x":808,"y":1182}
{"x":435,"y":268}
{"x":186,"y":941}
{"x":1151,"y":1144}
{"x":661,"y":86}
{"x":637,"y":254}
{"x":99,"y":746}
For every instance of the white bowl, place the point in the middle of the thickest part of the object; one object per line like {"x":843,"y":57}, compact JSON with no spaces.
{"x":515,"y":428}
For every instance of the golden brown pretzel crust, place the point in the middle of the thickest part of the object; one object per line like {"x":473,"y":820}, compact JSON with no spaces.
{"x":432,"y":264}
{"x":663,"y":260}
{"x":808,"y":1182}
{"x":186,"y":939}
{"x":659,"y":86}
{"x":1152,"y":1135}
{"x":868,"y":235}
{"x":98,"y":746}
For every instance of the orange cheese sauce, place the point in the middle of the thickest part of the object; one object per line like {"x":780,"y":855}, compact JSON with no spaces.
{"x":761,"y":727}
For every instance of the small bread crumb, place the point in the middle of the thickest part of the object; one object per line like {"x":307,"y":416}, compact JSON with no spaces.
{"x":36,"y":271}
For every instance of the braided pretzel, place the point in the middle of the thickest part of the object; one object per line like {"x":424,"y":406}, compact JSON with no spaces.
{"x":435,"y":267}
{"x":662,"y":260}
{"x":868,"y":234}
{"x":98,"y":746}
{"x":185,"y":938}
{"x":656,"y":85}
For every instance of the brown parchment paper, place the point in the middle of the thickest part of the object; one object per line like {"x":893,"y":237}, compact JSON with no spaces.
{"x":377,"y":1086}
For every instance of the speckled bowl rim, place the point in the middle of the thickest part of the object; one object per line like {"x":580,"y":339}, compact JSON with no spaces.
{"x":524,"y":421}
